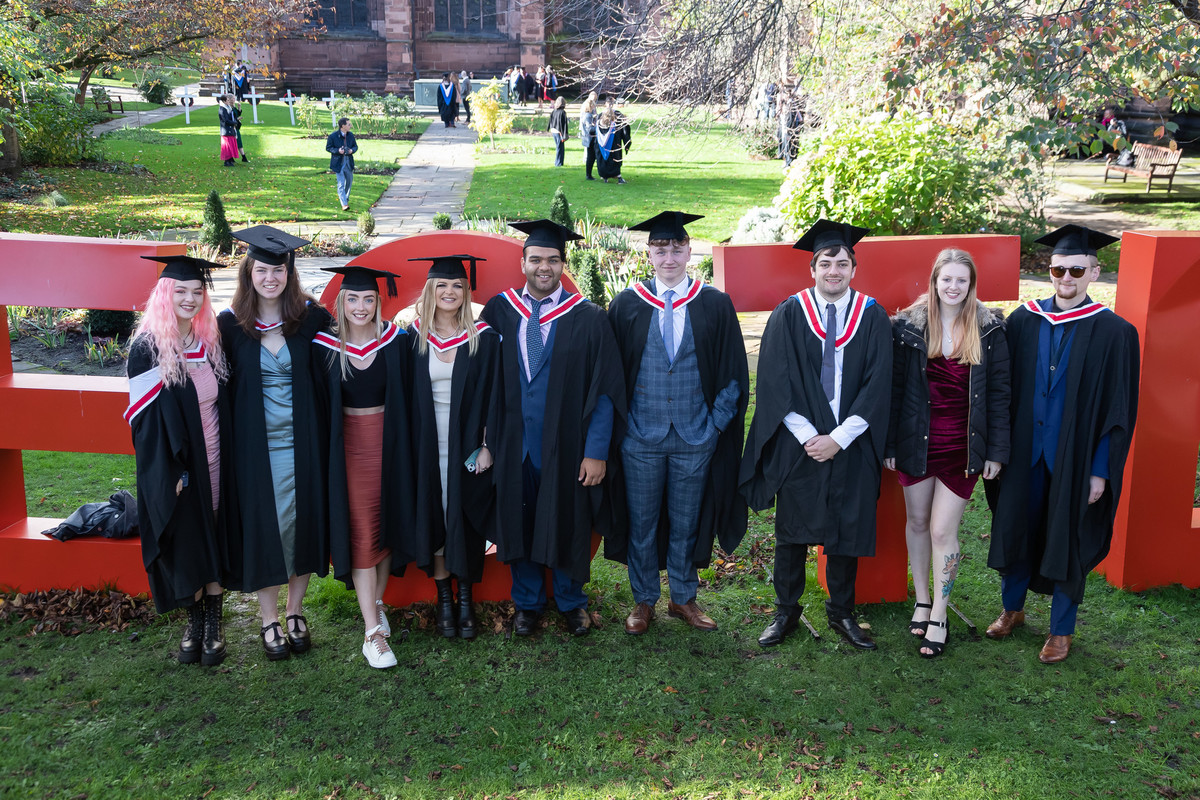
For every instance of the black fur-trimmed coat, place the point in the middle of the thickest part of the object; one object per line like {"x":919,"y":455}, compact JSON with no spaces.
{"x":988,"y":420}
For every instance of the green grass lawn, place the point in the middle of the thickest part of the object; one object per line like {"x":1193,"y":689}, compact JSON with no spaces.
{"x":285,"y":180}
{"x":705,"y":172}
{"x":673,"y":713}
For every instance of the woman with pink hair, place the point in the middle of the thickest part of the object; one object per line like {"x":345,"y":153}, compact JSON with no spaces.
{"x":179,"y":414}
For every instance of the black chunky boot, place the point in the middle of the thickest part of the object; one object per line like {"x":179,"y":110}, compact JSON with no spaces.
{"x":193,"y":635}
{"x":445,"y":609}
{"x":214,"y":630}
{"x":468,"y":626}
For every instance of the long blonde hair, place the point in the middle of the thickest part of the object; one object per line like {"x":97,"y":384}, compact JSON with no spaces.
{"x":965,"y":328}
{"x":341,"y":325}
{"x":427,"y":306}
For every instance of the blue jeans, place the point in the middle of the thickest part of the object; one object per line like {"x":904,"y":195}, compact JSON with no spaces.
{"x":344,"y":179}
{"x":682,"y":470}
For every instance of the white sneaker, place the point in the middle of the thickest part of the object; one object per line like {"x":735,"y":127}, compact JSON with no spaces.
{"x":383,"y":620}
{"x":375,"y":649}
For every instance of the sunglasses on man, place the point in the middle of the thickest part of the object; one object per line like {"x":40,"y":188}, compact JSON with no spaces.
{"x":1076,"y":272}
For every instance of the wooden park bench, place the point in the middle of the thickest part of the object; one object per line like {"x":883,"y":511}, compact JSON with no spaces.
{"x":1150,"y":162}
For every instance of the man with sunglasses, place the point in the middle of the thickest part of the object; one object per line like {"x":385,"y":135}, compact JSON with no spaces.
{"x":1074,"y":402}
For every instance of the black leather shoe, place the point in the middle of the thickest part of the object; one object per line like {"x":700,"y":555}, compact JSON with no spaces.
{"x":277,"y":649}
{"x":193,"y":635}
{"x":214,"y":631}
{"x":468,"y":626}
{"x":785,"y":621}
{"x":446,"y":624}
{"x":525,"y":622}
{"x":578,"y":621}
{"x":298,"y":638}
{"x":849,"y":630}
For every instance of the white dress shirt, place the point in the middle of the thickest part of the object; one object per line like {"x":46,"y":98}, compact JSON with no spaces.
{"x":853,"y":426}
{"x":677,"y":315}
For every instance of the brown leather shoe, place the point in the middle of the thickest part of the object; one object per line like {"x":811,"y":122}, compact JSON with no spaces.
{"x":1056,"y":649}
{"x":1005,"y":623}
{"x":692,"y":614}
{"x":639,"y":619}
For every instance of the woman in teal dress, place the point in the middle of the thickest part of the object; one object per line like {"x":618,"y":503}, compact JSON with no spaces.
{"x":281,"y":433}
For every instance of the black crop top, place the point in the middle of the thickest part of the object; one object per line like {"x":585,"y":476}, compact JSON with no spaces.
{"x":365,"y":388}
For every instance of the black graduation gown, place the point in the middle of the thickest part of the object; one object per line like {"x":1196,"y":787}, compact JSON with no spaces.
{"x":621,"y":142}
{"x":585,"y":366}
{"x":721,"y":358}
{"x":447,"y":110}
{"x":262,"y":550}
{"x":469,"y":520}
{"x":1101,"y":398}
{"x":184,"y":544}
{"x":396,"y":478}
{"x":839,"y":495}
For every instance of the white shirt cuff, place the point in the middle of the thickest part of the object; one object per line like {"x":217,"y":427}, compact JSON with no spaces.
{"x":848,"y":431}
{"x":800,"y":427}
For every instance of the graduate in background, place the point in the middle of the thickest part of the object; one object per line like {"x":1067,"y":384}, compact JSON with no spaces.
{"x":447,"y":100}
{"x":454,"y":401}
{"x":564,"y":403}
{"x":613,"y":140}
{"x":281,"y":432}
{"x":1075,"y":370}
{"x":179,"y":414}
{"x":820,"y":425}
{"x":229,"y":132}
{"x":370,"y":457}
{"x":687,"y":384}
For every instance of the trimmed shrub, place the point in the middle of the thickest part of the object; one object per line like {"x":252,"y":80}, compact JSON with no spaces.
{"x":215,"y":232}
{"x":705,"y":268}
{"x":898,"y":175}
{"x":442,"y":221}
{"x":103,"y":322}
{"x":584,"y":267}
{"x":366,"y":223}
{"x":560,"y":210}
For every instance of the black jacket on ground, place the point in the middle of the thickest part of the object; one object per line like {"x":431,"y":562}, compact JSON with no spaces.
{"x":988,"y":418}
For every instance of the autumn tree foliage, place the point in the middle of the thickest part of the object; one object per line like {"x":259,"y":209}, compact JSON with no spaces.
{"x":84,"y":35}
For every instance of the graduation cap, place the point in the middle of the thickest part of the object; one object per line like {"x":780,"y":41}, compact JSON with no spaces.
{"x":825,"y":234}
{"x":364,"y":279}
{"x":451,"y":267}
{"x":186,"y":268}
{"x":667,"y":225}
{"x":270,"y":245}
{"x":546,"y":233}
{"x":1076,"y":240}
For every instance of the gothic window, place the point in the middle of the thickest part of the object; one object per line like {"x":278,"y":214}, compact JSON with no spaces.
{"x":464,"y":16}
{"x":342,"y":14}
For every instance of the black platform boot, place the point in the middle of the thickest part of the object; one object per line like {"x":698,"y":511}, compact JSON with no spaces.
{"x":468,"y":626}
{"x":193,"y":635}
{"x":214,"y":630}
{"x":445,"y":609}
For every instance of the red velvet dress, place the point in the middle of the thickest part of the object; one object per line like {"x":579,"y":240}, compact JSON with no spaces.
{"x":949,"y":401}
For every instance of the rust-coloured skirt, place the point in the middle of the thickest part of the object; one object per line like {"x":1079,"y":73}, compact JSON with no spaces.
{"x":364,"y":467}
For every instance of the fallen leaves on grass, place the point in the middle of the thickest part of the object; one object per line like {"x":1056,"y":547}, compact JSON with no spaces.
{"x":75,"y":611}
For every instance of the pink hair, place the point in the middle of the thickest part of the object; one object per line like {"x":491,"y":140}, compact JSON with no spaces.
{"x":161,"y":325}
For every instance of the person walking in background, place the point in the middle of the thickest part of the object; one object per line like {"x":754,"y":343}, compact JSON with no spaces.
{"x":539,"y":87}
{"x":587,"y":133}
{"x":241,"y":80}
{"x":949,"y":425}
{"x":447,"y":100}
{"x":341,"y":147}
{"x":370,"y":463}
{"x":558,"y":129}
{"x":237,"y":126}
{"x":228,"y":122}
{"x":464,"y":91}
{"x":179,"y":415}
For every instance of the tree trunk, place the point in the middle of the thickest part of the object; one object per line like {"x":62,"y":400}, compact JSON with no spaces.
{"x":10,"y":155}
{"x":81,"y":89}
